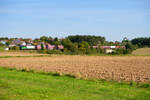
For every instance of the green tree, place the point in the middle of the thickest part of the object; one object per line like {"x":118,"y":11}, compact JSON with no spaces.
{"x":141,"y":42}
{"x":84,"y":48}
{"x":42,"y":46}
{"x":69,"y":46}
{"x":91,"y":40}
{"x":14,"y":48}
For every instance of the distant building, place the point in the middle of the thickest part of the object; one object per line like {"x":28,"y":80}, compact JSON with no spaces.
{"x":17,"y":42}
{"x":23,"y":43}
{"x":38,"y":47}
{"x":112,"y":47}
{"x":95,"y":47}
{"x":50,"y":47}
{"x":60,"y":47}
{"x":3,"y":42}
{"x":108,"y":51}
{"x":6,"y":49}
{"x":12,"y":45}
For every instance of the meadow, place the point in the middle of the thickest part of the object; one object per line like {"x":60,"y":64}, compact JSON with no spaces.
{"x":142,"y":51}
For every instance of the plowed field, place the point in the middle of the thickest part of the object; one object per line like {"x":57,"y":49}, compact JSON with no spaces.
{"x":119,"y":68}
{"x":19,"y":53}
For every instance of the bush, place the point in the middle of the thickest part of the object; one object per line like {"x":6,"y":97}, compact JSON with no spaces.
{"x":41,"y":51}
{"x":119,"y":51}
{"x":50,"y":51}
{"x":14,"y":48}
{"x":144,"y":85}
{"x":128,"y":51}
{"x":53,"y":52}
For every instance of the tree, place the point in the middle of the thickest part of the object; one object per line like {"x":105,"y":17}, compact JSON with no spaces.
{"x":42,"y":47}
{"x":84,"y":47}
{"x":4,"y":38}
{"x":1,"y":44}
{"x":129,"y":48}
{"x":14,"y":48}
{"x":91,"y":40}
{"x":69,"y":46}
{"x":141,"y":42}
{"x":43,"y":38}
{"x":46,"y":39}
{"x":8,"y":42}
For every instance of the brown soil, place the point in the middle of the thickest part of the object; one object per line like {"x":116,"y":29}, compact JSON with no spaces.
{"x":19,"y":53}
{"x":119,"y":68}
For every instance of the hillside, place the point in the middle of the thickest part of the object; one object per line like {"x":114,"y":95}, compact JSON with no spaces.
{"x":142,"y":51}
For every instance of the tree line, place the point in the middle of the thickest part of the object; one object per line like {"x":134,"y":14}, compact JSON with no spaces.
{"x":83,"y":44}
{"x":141,"y":42}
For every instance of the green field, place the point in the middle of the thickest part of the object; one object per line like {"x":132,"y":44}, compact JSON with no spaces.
{"x":19,"y":85}
{"x":2,"y":48}
{"x":142,"y":51}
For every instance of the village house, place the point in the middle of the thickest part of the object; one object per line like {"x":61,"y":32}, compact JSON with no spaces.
{"x":60,"y":47}
{"x":109,"y":49}
{"x":3,"y":42}
{"x":50,"y":47}
{"x":38,"y":47}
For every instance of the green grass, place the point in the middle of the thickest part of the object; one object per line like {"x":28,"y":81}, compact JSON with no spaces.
{"x":2,"y":48}
{"x":22,"y":85}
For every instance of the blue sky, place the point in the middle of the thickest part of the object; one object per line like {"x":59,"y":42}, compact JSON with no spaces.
{"x":113,"y":19}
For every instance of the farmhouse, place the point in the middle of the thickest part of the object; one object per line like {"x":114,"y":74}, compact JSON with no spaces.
{"x":60,"y":47}
{"x":50,"y":47}
{"x":109,"y":49}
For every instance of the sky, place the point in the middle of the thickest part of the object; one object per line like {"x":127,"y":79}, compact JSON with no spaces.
{"x":113,"y":19}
